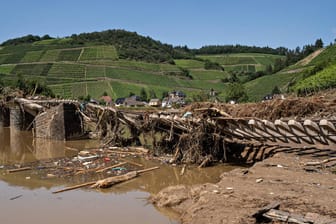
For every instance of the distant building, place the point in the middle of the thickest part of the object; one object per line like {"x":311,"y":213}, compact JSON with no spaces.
{"x":107,"y":99}
{"x":174,"y":98}
{"x":154,"y":102}
{"x":119,"y":101}
{"x":133,"y":101}
{"x":268,"y":97}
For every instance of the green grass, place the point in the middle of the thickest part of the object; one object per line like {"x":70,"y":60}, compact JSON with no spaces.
{"x":57,"y":41}
{"x":69,"y":55}
{"x":13,"y":58}
{"x":95,"y":71}
{"x":32,"y":69}
{"x":141,"y":77}
{"x":208,"y":75}
{"x":258,"y":88}
{"x":322,"y":80}
{"x":328,"y":55}
{"x":229,"y":59}
{"x":250,"y":62}
{"x":6,"y":69}
{"x":136,"y":65}
{"x":3,"y":58}
{"x":32,"y":56}
{"x":70,"y":71}
{"x":189,"y":63}
{"x":98,"y":53}
{"x":63,"y":90}
{"x":50,"y":56}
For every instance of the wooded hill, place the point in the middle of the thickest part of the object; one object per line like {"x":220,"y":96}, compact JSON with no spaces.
{"x":119,"y":63}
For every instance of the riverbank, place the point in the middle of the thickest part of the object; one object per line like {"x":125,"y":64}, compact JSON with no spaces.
{"x":309,"y":191}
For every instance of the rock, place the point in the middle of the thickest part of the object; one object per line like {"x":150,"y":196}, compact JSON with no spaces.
{"x":259,"y":180}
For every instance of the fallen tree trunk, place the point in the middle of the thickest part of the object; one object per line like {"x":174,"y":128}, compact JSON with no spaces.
{"x":320,"y":162}
{"x":108,"y":182}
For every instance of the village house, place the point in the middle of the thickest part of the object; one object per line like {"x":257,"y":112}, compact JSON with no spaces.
{"x":133,"y":101}
{"x":174,"y":98}
{"x":119,"y":102}
{"x":107,"y":100}
{"x":154,"y":102}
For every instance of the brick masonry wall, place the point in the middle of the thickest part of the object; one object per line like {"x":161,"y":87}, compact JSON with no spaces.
{"x":50,"y":124}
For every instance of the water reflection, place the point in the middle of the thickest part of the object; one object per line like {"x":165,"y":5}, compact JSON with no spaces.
{"x":19,"y":147}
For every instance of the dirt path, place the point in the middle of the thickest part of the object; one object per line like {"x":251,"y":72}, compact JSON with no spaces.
{"x":241,"y":192}
{"x":310,"y":57}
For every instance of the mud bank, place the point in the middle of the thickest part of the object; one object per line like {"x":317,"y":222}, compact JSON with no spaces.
{"x":300,"y":189}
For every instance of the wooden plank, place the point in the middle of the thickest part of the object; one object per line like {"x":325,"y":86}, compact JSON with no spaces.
{"x":75,"y":187}
{"x":260,"y":212}
{"x":286,"y":217}
{"x":19,"y":169}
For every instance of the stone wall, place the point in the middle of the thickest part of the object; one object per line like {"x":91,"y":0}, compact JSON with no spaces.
{"x":50,"y":124}
{"x":60,"y":123}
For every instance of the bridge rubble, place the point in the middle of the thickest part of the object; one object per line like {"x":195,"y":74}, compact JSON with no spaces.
{"x":199,"y":133}
{"x":212,"y":134}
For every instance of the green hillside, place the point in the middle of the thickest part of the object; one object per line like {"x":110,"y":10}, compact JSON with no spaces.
{"x":250,"y":62}
{"x":313,"y":73}
{"x":119,"y":62}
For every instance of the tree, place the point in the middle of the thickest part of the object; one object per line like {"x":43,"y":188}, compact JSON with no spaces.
{"x":212,"y":65}
{"x":276,"y":90}
{"x":318,"y":43}
{"x":236,"y":92}
{"x":143,"y":94}
{"x":164,"y":94}
{"x":269,"y":69}
{"x":278,"y":65}
{"x":152,"y":94}
{"x":2,"y":85}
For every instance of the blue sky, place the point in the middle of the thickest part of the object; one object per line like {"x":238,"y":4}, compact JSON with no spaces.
{"x":194,"y":23}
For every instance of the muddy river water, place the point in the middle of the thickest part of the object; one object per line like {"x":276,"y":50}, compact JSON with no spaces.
{"x":26,"y":197}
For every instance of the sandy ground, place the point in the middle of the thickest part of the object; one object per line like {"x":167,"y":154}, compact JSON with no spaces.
{"x":300,"y":189}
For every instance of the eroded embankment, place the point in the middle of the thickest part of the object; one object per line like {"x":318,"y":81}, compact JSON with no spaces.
{"x":240,"y":193}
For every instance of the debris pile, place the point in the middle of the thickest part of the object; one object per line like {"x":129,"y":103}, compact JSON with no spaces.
{"x":97,"y":167}
{"x":204,"y":133}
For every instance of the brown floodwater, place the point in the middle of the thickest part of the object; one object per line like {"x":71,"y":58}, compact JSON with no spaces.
{"x":26,"y":197}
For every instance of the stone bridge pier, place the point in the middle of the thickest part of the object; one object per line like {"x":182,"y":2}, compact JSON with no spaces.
{"x":53,"y":119}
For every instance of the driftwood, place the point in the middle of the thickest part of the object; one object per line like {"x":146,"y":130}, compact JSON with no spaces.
{"x":274,"y":205}
{"x":108,"y":182}
{"x":286,"y":217}
{"x":19,"y":169}
{"x":205,"y":162}
{"x":183,"y":170}
{"x":131,"y":162}
{"x":139,"y":149}
{"x":320,"y":162}
{"x":75,"y":187}
{"x":216,"y":110}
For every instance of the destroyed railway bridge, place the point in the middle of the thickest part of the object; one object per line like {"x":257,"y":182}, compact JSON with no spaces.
{"x":198,"y":139}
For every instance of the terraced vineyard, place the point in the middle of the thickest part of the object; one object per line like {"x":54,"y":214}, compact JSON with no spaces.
{"x":243,"y":61}
{"x":300,"y":77}
{"x":78,"y":70}
{"x":99,"y":53}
